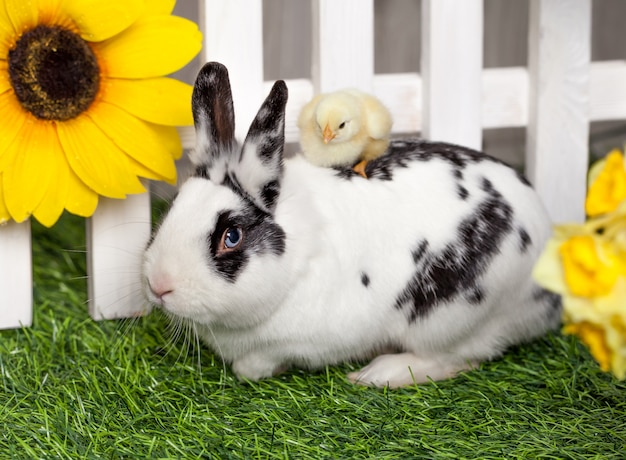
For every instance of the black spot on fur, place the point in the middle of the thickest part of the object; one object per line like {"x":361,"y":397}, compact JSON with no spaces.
{"x":270,"y":192}
{"x":475,"y":296}
{"x":268,"y":127}
{"x":230,"y":181}
{"x":202,"y":171}
{"x":260,"y":235}
{"x":524,"y":240}
{"x":455,"y":270}
{"x":461,"y":191}
{"x":551,"y":299}
{"x":523,"y":179}
{"x":365,"y":280}
{"x":346,"y":172}
{"x":402,"y":152}
{"x":486,"y":185}
{"x":420,"y":252}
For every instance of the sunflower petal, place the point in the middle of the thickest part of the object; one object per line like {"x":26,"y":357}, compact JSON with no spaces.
{"x":164,"y":101}
{"x":7,"y":34}
{"x":22,"y":15}
{"x":13,"y":119}
{"x":144,"y":143}
{"x":4,"y":212}
{"x":152,"y":47}
{"x":53,"y":202}
{"x":81,"y":200}
{"x":97,"y":161}
{"x":99,"y":20}
{"x":5,"y":81}
{"x":27,"y":179}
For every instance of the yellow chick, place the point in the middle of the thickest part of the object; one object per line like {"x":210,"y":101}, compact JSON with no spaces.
{"x":344,"y":127}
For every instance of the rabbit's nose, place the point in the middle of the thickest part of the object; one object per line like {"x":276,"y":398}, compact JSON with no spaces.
{"x":160,"y":287}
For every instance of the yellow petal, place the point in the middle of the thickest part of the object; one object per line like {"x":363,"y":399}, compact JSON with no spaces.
{"x":608,"y":187}
{"x":160,"y":6}
{"x":7,"y":34}
{"x":23,"y":14}
{"x":97,"y":161}
{"x":52,"y":12}
{"x":27,"y":178}
{"x":5,"y":81}
{"x":81,"y":200}
{"x":590,"y":269}
{"x":4,"y":212}
{"x":594,"y":337}
{"x":53,"y":202}
{"x":143,"y":142}
{"x":548,"y":271}
{"x":152,"y":47}
{"x":99,"y":20}
{"x":13,"y":119}
{"x":163,"y":101}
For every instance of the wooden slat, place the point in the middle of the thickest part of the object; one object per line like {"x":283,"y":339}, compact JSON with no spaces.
{"x":504,"y":98}
{"x":117,"y":234}
{"x":558,"y":125}
{"x":233,"y":35}
{"x":607,"y":91}
{"x":452,"y":47}
{"x":343,"y":45}
{"x":16,"y":286}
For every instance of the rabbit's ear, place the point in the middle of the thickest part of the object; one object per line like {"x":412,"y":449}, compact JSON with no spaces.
{"x":260,"y":166}
{"x":213,"y":115}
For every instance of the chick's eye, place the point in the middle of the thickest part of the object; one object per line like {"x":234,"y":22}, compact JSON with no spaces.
{"x":342,"y":125}
{"x":232,"y":238}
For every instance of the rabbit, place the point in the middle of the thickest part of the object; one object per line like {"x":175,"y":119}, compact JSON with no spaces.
{"x":425,"y":266}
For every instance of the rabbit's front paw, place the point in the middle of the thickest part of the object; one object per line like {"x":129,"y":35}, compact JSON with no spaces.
{"x":256,"y":367}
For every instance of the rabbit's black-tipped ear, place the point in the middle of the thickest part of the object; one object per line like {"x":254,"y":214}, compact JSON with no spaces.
{"x":260,"y":167}
{"x":213,"y":114}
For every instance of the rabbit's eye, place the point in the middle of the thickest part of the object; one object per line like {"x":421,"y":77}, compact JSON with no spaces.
{"x":232,"y":238}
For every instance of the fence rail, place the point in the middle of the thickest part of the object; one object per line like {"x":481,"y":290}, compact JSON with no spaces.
{"x":452,"y":99}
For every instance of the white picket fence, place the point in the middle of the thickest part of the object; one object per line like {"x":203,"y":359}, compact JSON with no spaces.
{"x":453,"y":99}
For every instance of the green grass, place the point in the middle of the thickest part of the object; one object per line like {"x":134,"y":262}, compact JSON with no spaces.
{"x":75,"y":388}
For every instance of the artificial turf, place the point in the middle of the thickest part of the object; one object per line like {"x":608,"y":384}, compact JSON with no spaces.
{"x":74,"y":388}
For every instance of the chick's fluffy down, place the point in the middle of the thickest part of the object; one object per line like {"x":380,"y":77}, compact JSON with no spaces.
{"x":344,"y":127}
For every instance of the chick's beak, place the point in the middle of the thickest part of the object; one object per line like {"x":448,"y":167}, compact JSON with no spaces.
{"x":329,"y":135}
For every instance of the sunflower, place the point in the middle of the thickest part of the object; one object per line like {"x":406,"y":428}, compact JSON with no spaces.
{"x":85,"y":107}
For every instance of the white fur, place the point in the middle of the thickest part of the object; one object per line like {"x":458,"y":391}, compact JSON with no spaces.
{"x":308,"y":307}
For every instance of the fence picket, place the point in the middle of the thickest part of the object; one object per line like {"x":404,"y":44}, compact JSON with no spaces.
{"x":16,"y":287}
{"x":233,"y":35}
{"x":452,"y":47}
{"x":558,"y":125}
{"x":117,"y":233}
{"x":343,"y":45}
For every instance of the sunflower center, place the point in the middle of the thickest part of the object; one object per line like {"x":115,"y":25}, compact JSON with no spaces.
{"x":54,"y":73}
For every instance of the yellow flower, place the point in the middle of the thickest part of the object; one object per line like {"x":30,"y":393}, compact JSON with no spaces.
{"x":608,"y":185}
{"x":586,"y":265}
{"x":590,"y":269}
{"x":85,"y":108}
{"x":594,"y":337}
{"x":600,"y":322}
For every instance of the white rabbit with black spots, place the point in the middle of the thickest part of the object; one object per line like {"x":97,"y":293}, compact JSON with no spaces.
{"x":280,"y":263}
